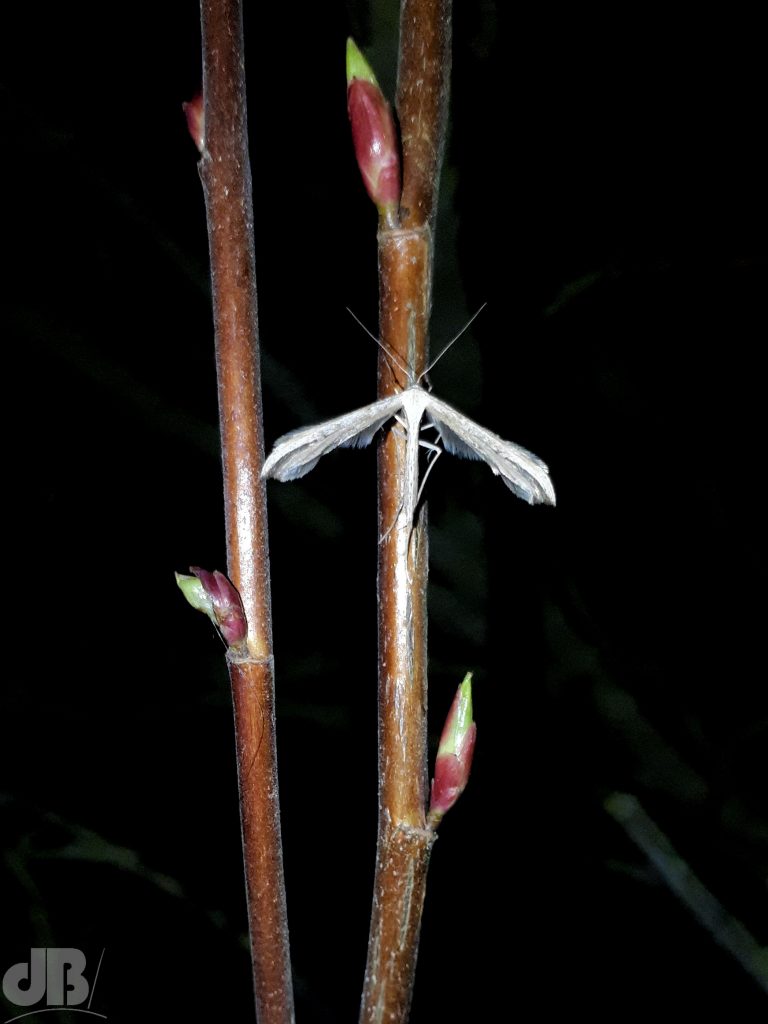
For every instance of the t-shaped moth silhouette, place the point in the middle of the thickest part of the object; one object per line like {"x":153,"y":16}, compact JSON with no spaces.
{"x":296,"y":453}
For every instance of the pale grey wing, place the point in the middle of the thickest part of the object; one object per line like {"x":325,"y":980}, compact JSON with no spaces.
{"x":522,"y":471}
{"x":295,"y":454}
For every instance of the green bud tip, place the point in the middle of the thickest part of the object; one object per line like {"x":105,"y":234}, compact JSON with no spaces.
{"x":195,"y":593}
{"x":459,"y":719}
{"x":357,"y":65}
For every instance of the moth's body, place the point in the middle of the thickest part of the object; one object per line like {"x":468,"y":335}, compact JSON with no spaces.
{"x":296,"y":453}
{"x":415,"y":403}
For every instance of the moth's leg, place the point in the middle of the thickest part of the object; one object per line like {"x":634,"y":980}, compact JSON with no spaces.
{"x":436,"y":451}
{"x":392,"y":525}
{"x":407,"y":430}
{"x":401,"y":429}
{"x":430,"y":446}
{"x":389,"y":529}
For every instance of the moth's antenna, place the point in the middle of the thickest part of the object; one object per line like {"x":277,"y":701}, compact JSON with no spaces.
{"x":440,"y":355}
{"x":384,"y":348}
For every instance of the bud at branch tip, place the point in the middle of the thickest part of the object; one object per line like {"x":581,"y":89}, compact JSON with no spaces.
{"x":374,"y":135}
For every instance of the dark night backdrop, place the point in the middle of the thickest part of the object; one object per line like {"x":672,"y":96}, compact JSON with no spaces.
{"x":601,"y":193}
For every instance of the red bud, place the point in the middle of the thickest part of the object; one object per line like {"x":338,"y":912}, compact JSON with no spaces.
{"x":194,"y":112}
{"x":227,"y":606}
{"x":374,"y":134}
{"x":454,"y":755}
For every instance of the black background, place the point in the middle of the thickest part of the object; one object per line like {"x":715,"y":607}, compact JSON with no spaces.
{"x":602,"y":192}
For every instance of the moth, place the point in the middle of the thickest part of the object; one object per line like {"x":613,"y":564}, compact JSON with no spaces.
{"x":299,"y":451}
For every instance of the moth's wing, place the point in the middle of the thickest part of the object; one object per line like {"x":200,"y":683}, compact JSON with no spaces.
{"x":522,"y":471}
{"x":296,"y":453}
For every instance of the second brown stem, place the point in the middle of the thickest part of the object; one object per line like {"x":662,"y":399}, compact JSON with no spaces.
{"x":225,"y":173}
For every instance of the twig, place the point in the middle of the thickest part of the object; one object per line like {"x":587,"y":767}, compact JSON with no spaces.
{"x":727,"y":931}
{"x":226,"y":177}
{"x":405,"y":291}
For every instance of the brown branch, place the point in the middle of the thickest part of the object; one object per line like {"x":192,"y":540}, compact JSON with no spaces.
{"x":226,"y":177}
{"x":405,"y":293}
{"x":423,"y":87}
